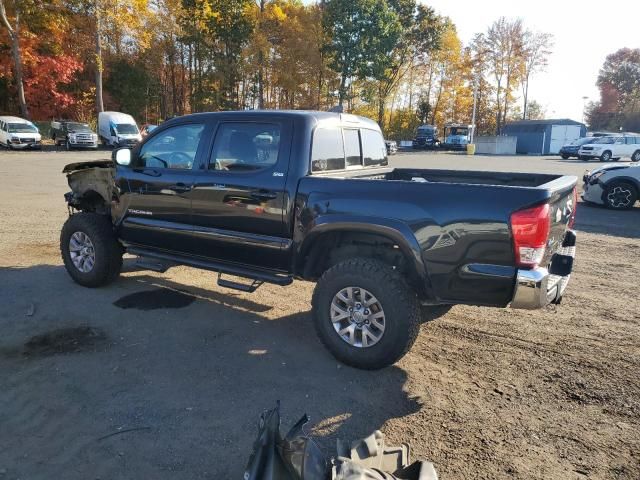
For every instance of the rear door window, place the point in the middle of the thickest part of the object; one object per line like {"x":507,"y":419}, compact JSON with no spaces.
{"x":352,"y":148}
{"x":374,"y":150}
{"x":327,"y":150}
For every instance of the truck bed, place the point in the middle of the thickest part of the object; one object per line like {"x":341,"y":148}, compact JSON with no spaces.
{"x":467,"y":177}
{"x":460,"y":219}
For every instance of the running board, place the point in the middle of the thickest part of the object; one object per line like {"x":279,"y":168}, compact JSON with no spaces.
{"x":159,"y":267}
{"x":243,"y":287}
{"x":221,"y":268}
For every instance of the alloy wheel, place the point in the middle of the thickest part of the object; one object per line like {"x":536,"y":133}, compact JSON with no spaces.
{"x":357,"y":317}
{"x":82,"y":252}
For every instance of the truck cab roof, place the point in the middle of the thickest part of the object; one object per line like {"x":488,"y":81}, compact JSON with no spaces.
{"x":316,"y":118}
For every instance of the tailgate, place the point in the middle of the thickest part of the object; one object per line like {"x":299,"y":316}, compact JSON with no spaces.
{"x":563,"y":203}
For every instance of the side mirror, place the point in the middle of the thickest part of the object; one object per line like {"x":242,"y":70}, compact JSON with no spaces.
{"x":122,"y":156}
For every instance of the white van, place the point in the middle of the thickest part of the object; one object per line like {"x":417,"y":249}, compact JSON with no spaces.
{"x":117,"y":129}
{"x":16,"y":132}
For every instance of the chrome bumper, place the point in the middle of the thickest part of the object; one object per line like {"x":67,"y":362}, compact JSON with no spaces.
{"x":539,"y":287}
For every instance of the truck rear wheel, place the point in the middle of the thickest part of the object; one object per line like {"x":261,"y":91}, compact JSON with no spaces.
{"x":90,"y":250}
{"x":365,"y":313}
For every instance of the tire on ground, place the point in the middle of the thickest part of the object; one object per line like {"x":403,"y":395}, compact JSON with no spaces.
{"x":398,"y":300}
{"x":107,"y":249}
{"x":636,"y":156}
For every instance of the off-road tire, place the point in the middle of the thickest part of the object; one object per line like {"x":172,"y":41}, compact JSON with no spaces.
{"x":623,"y":186}
{"x":636,"y":156}
{"x":107,"y":249}
{"x":399,"y":302}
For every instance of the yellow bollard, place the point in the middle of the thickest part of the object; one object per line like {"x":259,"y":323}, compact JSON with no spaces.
{"x":471,"y":149}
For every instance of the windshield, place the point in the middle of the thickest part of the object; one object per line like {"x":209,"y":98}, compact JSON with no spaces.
{"x":126,"y":128}
{"x":459,"y":131}
{"x":426,"y":130}
{"x":78,"y":127}
{"x":22,"y":128}
{"x":605,"y":140}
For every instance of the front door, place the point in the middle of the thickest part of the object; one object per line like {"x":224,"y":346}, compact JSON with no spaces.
{"x":156,"y":188}
{"x":239,"y":194}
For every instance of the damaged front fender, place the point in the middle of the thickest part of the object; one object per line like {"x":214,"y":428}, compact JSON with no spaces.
{"x":92,"y":186}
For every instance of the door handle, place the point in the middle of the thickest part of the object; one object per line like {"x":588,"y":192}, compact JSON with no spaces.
{"x":180,"y":187}
{"x":263,"y":195}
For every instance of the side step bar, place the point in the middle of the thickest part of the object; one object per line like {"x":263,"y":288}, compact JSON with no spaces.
{"x":238,"y":271}
{"x":243,"y":287}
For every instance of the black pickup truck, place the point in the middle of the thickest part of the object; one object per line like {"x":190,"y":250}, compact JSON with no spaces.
{"x":273,"y":196}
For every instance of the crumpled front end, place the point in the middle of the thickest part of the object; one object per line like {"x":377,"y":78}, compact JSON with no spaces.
{"x":92,"y":186}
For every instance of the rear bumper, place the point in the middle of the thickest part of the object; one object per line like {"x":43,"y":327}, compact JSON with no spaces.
{"x":539,"y":287}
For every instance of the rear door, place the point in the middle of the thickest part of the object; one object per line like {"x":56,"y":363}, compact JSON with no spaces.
{"x":239,"y":194}
{"x":158,"y":186}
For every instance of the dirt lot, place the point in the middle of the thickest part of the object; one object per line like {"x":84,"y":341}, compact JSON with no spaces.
{"x":169,"y":383}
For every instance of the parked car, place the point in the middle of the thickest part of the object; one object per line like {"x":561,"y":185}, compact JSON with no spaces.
{"x":73,"y":134}
{"x":147,"y":129}
{"x":426,"y":138}
{"x":612,"y":148}
{"x":117,"y":129}
{"x":571,"y":149}
{"x":615,"y":186}
{"x":392,"y":147}
{"x":318,"y":202}
{"x":16,"y":132}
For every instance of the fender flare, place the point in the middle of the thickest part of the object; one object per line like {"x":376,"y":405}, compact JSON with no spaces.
{"x":394,"y":230}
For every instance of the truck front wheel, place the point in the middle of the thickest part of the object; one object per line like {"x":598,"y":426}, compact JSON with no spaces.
{"x":90,"y":250}
{"x":365,"y":313}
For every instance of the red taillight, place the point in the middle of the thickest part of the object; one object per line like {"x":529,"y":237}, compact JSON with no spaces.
{"x":574,"y":207}
{"x":530,"y":229}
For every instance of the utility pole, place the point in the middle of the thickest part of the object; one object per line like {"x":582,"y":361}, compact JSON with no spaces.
{"x":473,"y":114}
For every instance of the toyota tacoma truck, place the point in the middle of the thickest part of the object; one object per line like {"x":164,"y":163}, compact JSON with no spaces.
{"x":273,"y":196}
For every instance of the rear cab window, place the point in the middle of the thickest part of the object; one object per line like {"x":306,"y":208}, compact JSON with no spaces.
{"x":339,"y":148}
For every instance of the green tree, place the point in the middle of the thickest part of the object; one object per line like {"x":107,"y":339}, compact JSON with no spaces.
{"x":230,"y":26}
{"x":361,"y":34}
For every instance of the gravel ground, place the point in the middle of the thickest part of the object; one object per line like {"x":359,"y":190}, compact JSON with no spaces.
{"x":169,"y":383}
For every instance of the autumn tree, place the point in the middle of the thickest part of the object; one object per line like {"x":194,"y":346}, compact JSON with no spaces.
{"x":14,"y":35}
{"x":504,"y":43}
{"x":536,"y":48}
{"x":619,"y":84}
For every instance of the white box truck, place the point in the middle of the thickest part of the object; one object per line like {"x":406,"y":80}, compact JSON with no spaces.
{"x":117,"y":129}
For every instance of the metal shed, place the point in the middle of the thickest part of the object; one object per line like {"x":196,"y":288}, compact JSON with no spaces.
{"x":544,"y":137}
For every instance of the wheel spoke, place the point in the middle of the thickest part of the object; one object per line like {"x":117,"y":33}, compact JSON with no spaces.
{"x":377,"y":324}
{"x":350,"y":331}
{"x":338,"y":313}
{"x":366,"y":335}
